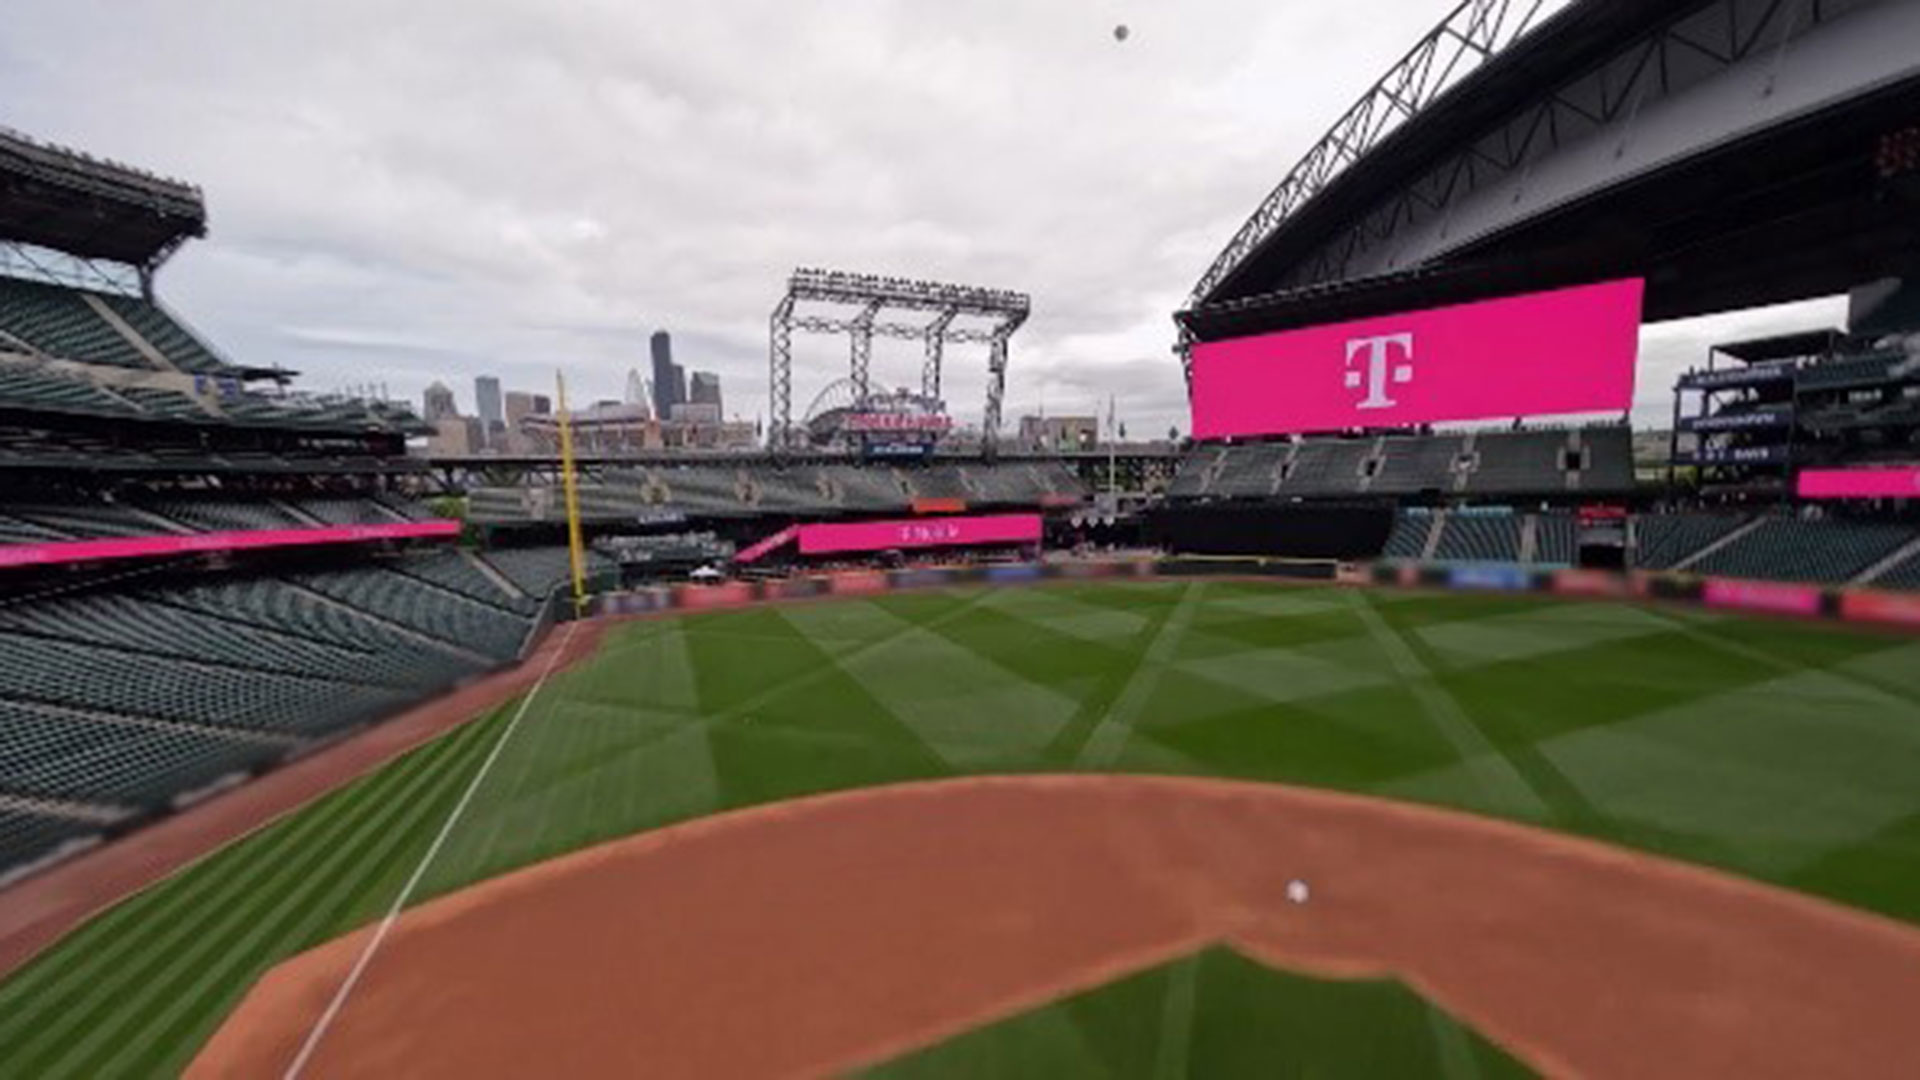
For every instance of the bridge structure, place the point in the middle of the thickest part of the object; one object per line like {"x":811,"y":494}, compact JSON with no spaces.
{"x":1732,"y":153}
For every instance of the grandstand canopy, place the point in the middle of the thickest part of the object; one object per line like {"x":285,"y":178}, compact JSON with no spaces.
{"x":1715,"y":148}
{"x":1580,"y":36}
{"x":1783,"y":346}
{"x":62,"y":199}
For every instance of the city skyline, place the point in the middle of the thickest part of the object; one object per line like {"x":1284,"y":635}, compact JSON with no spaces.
{"x":677,"y":409}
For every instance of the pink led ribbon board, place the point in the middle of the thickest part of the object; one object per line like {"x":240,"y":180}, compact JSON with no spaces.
{"x":138,"y":547}
{"x":837,"y":537}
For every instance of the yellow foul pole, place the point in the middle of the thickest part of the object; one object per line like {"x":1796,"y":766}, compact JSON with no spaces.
{"x":574,"y":552}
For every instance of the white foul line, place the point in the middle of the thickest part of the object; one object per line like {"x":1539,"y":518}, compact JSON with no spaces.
{"x":399,"y":902}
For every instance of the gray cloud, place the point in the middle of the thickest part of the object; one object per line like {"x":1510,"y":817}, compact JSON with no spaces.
{"x":401,"y":192}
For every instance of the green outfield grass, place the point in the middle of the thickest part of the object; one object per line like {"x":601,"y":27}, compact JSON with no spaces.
{"x":1218,"y":1014}
{"x":1788,"y":752}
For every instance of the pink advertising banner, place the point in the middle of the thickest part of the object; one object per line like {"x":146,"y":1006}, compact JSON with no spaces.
{"x":1762,"y":596}
{"x":1551,"y":353}
{"x":925,"y":532}
{"x":150,"y":546}
{"x":1867,"y":483}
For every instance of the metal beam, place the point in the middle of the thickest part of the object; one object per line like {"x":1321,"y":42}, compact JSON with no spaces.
{"x":936,"y":335}
{"x":861,"y":351}
{"x":780,"y":374}
{"x":1473,"y":33}
{"x":1008,"y":310}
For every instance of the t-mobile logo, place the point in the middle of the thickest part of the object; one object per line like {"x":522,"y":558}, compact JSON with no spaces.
{"x":1380,"y":371}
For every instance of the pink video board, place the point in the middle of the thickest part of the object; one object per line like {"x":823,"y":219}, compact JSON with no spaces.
{"x":919,"y":533}
{"x":1864,"y":483}
{"x":135,"y":547}
{"x":1541,"y":354}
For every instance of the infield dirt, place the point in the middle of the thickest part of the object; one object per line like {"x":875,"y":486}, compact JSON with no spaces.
{"x":813,"y":936}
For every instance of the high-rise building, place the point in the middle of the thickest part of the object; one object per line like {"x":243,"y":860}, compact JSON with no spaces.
{"x":519,"y":406}
{"x":704,"y":389}
{"x":669,"y":380}
{"x":518,"y":403}
{"x":486,"y":402}
{"x":439,"y":403}
{"x":636,"y":388}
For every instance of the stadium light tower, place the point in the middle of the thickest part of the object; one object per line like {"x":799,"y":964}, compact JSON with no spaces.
{"x":870,"y":297}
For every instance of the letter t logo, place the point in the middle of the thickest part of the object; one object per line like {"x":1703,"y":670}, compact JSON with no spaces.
{"x":1380,"y":372}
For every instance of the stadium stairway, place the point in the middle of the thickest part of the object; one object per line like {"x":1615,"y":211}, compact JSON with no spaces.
{"x":1410,"y":536}
{"x":1893,"y":569}
{"x":1438,"y":528}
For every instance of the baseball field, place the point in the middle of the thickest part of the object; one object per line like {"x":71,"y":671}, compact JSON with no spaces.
{"x":1717,"y":761}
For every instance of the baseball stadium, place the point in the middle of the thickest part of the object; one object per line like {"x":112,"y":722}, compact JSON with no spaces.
{"x":1417,"y":716}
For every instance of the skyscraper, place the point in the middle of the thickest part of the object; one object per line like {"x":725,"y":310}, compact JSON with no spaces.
{"x":669,"y":381}
{"x":704,"y":389}
{"x":486,"y":402}
{"x":636,"y":388}
{"x":439,"y":403}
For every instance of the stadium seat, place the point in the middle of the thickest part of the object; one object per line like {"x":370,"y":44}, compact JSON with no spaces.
{"x":1789,"y":550}
{"x":1518,"y":463}
{"x":72,"y":756}
{"x":225,"y":515}
{"x":348,"y":511}
{"x":939,"y":482}
{"x":138,"y":685}
{"x":93,"y":519}
{"x":1409,"y":537}
{"x":27,"y":836}
{"x":165,"y":334}
{"x":1556,"y":540}
{"x":439,"y":613}
{"x":38,"y":386}
{"x":1479,"y":538}
{"x":1250,"y":471}
{"x":1666,"y":540}
{"x":59,"y":323}
{"x":143,"y":620}
{"x":702,"y":489}
{"x":796,"y":489}
{"x":1326,"y":467}
{"x":866,"y":488}
{"x":455,"y":572}
{"x":1413,"y":465}
{"x":537,"y":571}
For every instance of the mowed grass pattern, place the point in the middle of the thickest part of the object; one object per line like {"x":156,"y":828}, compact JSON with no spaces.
{"x":1217,"y":1014}
{"x":1783,"y":751}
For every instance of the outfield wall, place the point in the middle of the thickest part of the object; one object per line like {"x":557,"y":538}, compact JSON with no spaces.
{"x":1753,"y":597}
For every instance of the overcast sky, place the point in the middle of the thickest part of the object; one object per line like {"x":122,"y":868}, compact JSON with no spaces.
{"x":401,"y":192}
